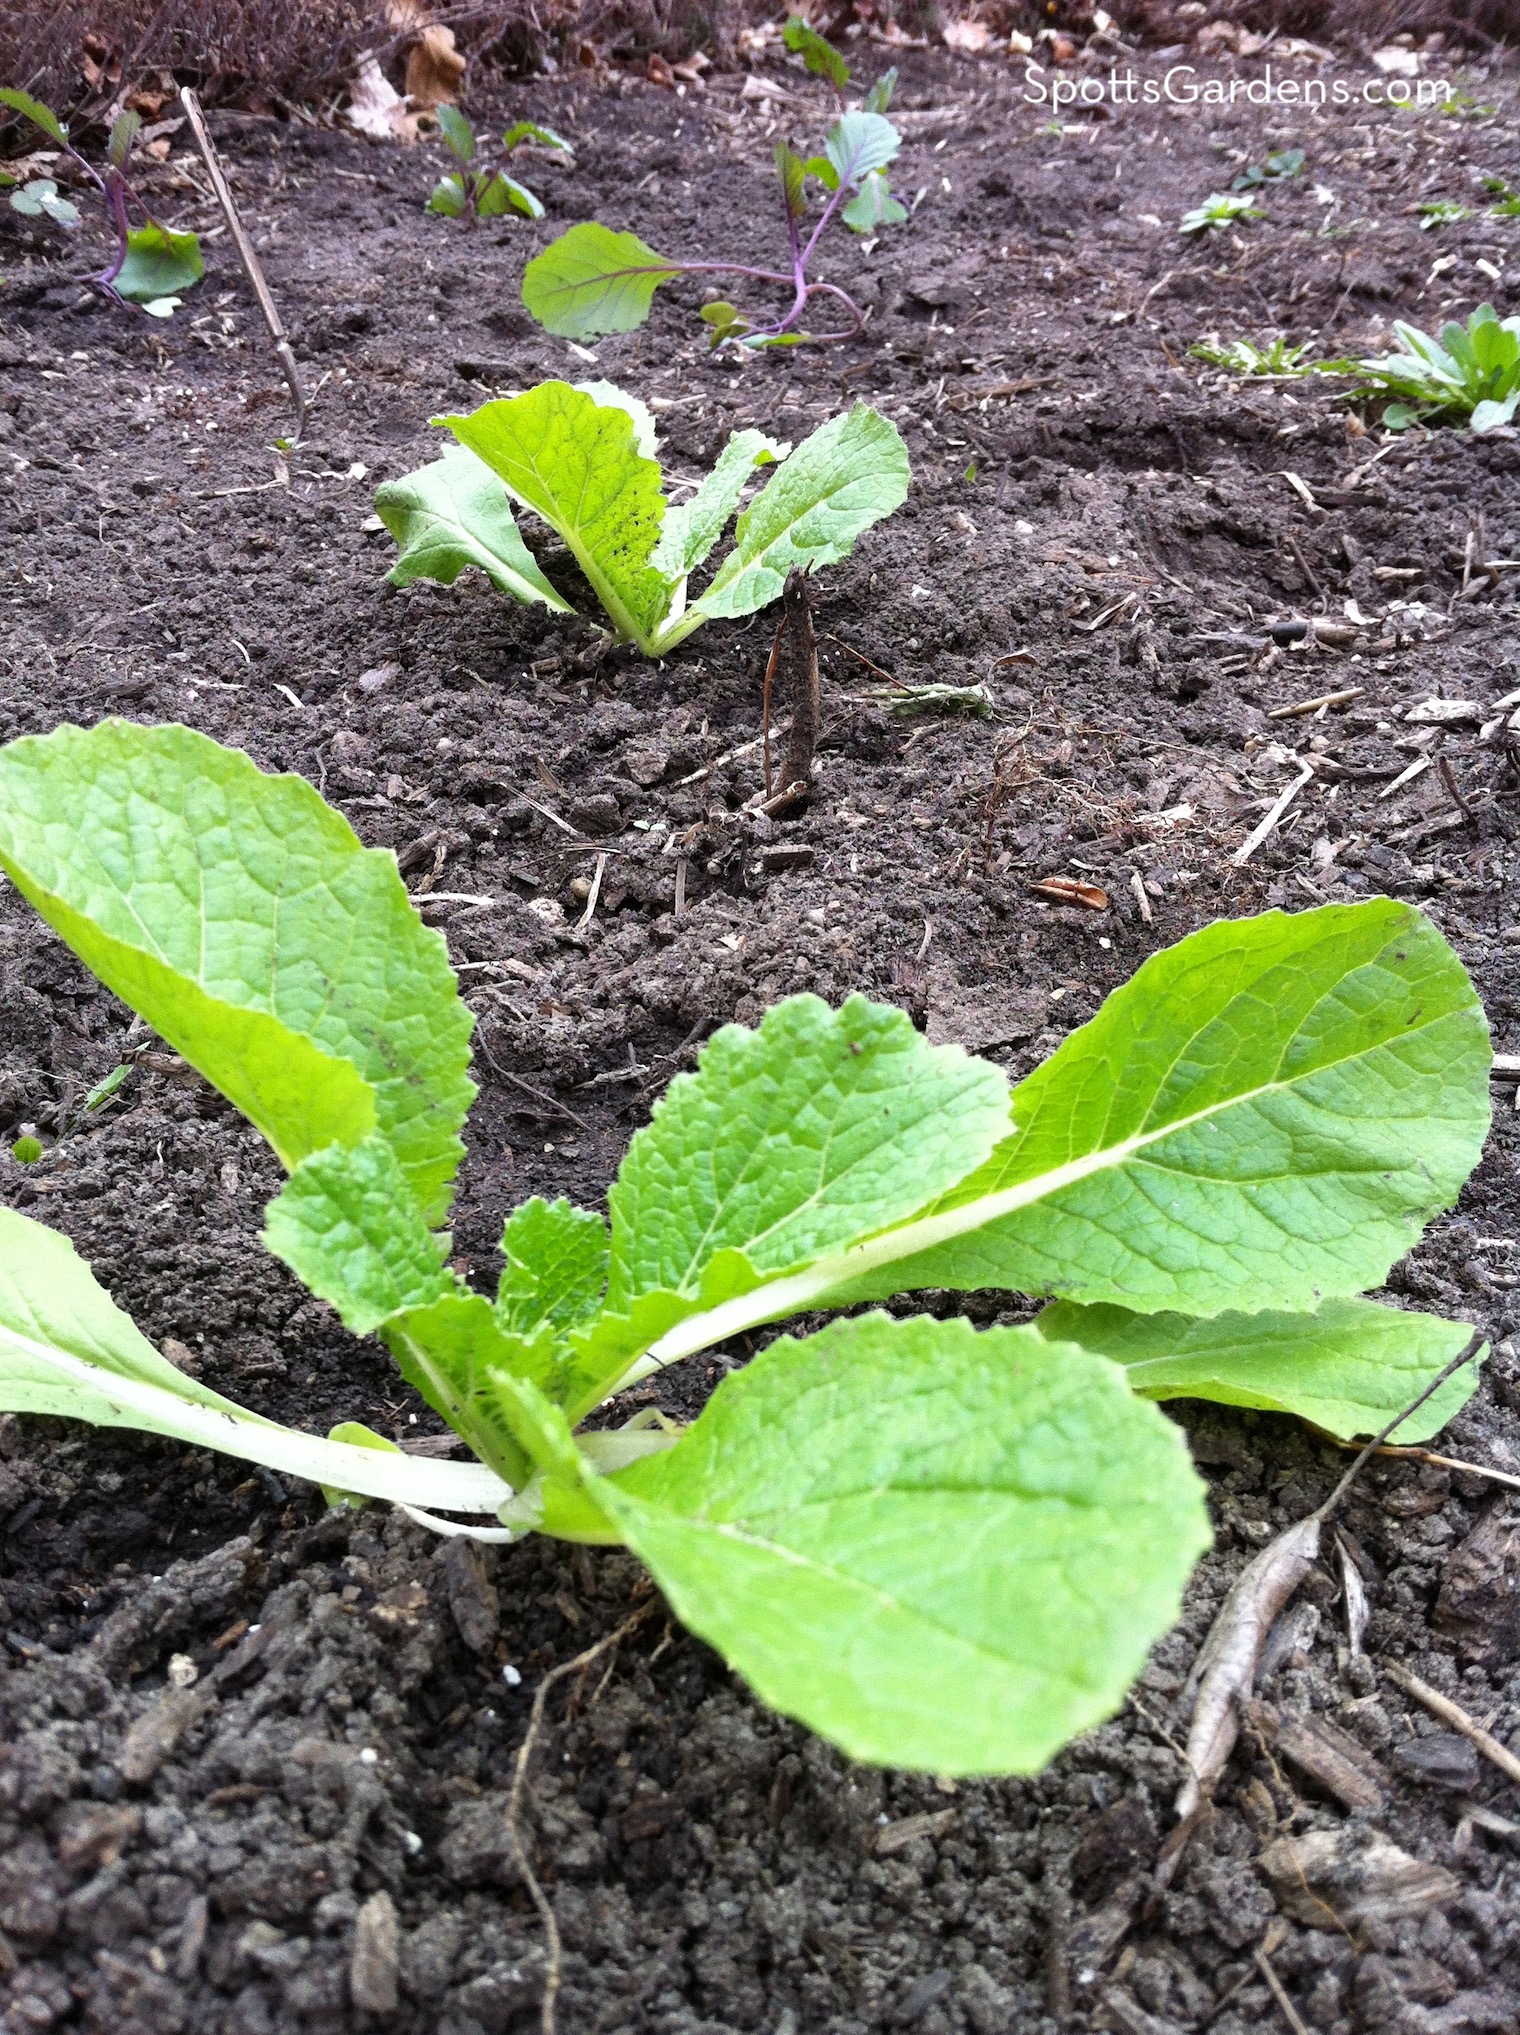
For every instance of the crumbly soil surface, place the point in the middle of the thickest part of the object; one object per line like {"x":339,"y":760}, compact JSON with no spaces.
{"x":313,"y":1835}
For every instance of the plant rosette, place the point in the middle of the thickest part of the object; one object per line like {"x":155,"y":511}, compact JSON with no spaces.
{"x":1200,"y":1184}
{"x":583,"y":460}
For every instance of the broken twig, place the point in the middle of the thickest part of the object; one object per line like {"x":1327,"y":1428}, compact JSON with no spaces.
{"x":246,"y":255}
{"x":1453,"y":1714}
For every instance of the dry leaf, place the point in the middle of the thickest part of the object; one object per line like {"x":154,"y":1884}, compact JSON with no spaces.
{"x":1225,"y":1670}
{"x":376,"y":108}
{"x":1331,"y":1879}
{"x":659,"y":72}
{"x":969,"y":37}
{"x":434,"y":68}
{"x":1070,"y":890}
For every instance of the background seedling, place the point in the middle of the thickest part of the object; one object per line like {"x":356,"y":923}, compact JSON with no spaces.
{"x":1277,"y":362}
{"x":593,"y":281}
{"x":1440,"y":212}
{"x":1219,"y":210}
{"x":1471,"y":373}
{"x":583,"y":459}
{"x":940,"y":1548}
{"x":1506,"y":203}
{"x":1284,"y":163}
{"x":152,"y":266}
{"x":488,"y":192}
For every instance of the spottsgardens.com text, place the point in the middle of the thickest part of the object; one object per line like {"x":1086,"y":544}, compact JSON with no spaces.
{"x":1182,"y":86}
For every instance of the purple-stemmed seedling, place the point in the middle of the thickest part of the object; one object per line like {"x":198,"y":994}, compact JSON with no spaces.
{"x":151,"y":264}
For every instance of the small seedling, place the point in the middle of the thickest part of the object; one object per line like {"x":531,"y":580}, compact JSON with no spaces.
{"x":1219,"y":210}
{"x":593,"y":281}
{"x":1471,"y":372}
{"x":941,"y":1548}
{"x":152,"y":265}
{"x":487,"y":193}
{"x":1285,"y":163}
{"x":27,"y":1149}
{"x":1277,"y":362}
{"x":1506,"y":203}
{"x":1440,"y":212}
{"x":583,"y":459}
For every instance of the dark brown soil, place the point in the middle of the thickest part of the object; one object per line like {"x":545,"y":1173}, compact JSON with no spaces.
{"x":231,"y":1859}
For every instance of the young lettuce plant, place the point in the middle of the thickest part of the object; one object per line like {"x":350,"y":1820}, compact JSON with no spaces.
{"x":1277,"y":362}
{"x":593,"y":281}
{"x":1219,"y":210}
{"x":152,"y":265}
{"x":942,"y":1548}
{"x":1472,"y":371}
{"x":487,"y":193}
{"x":583,"y":459}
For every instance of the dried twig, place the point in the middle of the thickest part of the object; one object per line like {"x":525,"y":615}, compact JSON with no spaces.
{"x":592,"y":895}
{"x":525,"y":1752}
{"x":1453,"y":1714}
{"x":1225,"y":1670}
{"x":246,"y":255}
{"x":1318,"y":703}
{"x":1290,"y":2013}
{"x":1269,"y":820}
{"x":801,"y":653}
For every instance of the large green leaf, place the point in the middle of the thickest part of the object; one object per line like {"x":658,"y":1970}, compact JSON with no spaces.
{"x":159,"y":264}
{"x":67,"y":1349}
{"x":819,"y":55}
{"x":34,"y":110}
{"x":455,"y":513}
{"x":691,"y":530}
{"x":592,"y":281}
{"x":575,"y":462}
{"x":242,"y":918}
{"x":850,"y":473}
{"x":1265,"y":1115}
{"x":859,"y":143}
{"x":795,"y":1139}
{"x":940,"y":1549}
{"x":1348,"y":1367}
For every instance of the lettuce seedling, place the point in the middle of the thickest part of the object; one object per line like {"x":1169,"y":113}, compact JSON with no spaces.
{"x":593,"y":281}
{"x":487,"y":192}
{"x":1219,"y":210}
{"x":1277,"y":362}
{"x":1440,"y":212}
{"x":942,"y":1548}
{"x":1472,"y":371}
{"x":583,"y":459}
{"x":1506,"y":203}
{"x":1278,"y":167}
{"x":152,"y":265}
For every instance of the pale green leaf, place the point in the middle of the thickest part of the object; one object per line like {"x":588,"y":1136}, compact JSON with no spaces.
{"x":609,"y":396}
{"x":793,"y":179}
{"x":346,"y":1225}
{"x":455,"y":513}
{"x":242,"y":918}
{"x":1265,"y":1115}
{"x":124,"y":131}
{"x":850,"y":473}
{"x":879,"y":98}
{"x":859,"y":143}
{"x":592,"y":281}
{"x":159,"y":264}
{"x":456,"y":131}
{"x":940,"y":1550}
{"x":873,"y":206}
{"x":556,"y":1266}
{"x":796,"y":1139}
{"x":448,"y":197}
{"x":576,"y":463}
{"x":692,"y":529}
{"x":1348,"y":1367}
{"x":67,"y":1349}
{"x":457,"y":1355}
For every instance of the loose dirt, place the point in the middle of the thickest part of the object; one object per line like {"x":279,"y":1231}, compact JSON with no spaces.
{"x":1100,"y":533}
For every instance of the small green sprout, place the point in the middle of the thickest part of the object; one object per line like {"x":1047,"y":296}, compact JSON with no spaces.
{"x":1219,"y":210}
{"x":488,"y":193}
{"x":1277,"y":362}
{"x":27,"y":1149}
{"x":1440,"y":212}
{"x":1285,"y":163}
{"x":1506,"y":203}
